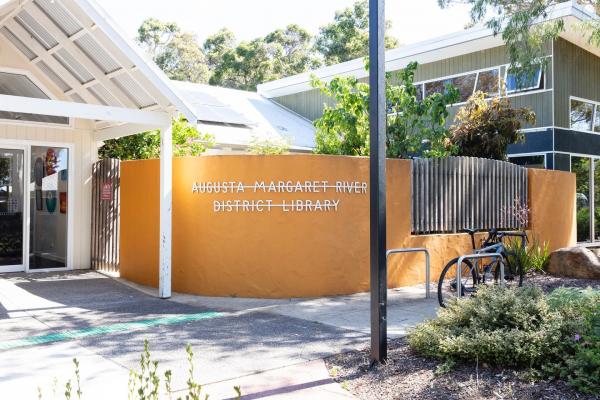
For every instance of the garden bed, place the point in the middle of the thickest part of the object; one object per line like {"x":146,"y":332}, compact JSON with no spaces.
{"x":409,"y":375}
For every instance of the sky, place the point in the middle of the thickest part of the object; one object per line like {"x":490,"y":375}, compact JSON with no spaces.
{"x":413,"y":20}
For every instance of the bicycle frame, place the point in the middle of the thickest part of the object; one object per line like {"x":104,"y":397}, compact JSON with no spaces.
{"x":476,"y":257}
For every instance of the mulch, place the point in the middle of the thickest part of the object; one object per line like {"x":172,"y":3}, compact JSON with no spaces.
{"x":408,"y":376}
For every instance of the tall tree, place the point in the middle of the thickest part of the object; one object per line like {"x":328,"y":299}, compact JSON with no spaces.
{"x":246,"y":66}
{"x":294,"y":50}
{"x":347,"y":37}
{"x":176,"y":52}
{"x":518,"y":22}
{"x":216,"y":45}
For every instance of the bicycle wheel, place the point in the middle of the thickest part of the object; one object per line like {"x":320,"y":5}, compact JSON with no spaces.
{"x":513,"y":272}
{"x":447,"y":287}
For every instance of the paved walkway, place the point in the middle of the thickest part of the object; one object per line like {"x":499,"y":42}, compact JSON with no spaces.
{"x":273,"y":349}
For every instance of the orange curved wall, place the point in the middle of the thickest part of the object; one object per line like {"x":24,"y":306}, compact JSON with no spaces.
{"x":295,"y":254}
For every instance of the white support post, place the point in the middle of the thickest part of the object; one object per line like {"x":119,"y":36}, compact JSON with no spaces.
{"x":166,"y":200}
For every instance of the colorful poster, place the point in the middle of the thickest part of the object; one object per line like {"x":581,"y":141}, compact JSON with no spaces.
{"x":63,"y":202}
{"x":51,"y":201}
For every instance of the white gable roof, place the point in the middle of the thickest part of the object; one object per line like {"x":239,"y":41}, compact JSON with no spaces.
{"x":234,"y":117}
{"x":78,"y":48}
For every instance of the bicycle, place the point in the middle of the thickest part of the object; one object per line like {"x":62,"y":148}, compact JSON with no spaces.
{"x":483,"y":272}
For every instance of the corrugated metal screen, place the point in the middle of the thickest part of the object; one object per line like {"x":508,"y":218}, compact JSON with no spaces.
{"x":105,"y":215}
{"x":456,"y":193}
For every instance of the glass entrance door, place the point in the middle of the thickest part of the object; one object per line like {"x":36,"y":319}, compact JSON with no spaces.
{"x":11,"y":210}
{"x":48,"y":208}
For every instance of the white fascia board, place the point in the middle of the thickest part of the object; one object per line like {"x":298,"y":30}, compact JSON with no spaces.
{"x":118,"y":131}
{"x":58,"y":108}
{"x":146,"y":66}
{"x":436,"y":49}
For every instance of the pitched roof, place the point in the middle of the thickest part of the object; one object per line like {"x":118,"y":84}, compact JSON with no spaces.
{"x":436,"y":49}
{"x":236,"y":116}
{"x":79,"y":48}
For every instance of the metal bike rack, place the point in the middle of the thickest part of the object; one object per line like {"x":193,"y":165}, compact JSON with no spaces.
{"x":427,"y":263}
{"x":474,"y":257}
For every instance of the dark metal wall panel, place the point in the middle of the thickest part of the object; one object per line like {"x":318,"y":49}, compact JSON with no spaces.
{"x":577,"y":74}
{"x":535,"y":141}
{"x":456,"y":193}
{"x":562,"y":162}
{"x":106,"y":185}
{"x":566,"y":140}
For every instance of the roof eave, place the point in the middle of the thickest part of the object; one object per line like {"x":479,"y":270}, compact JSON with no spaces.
{"x":398,"y":58}
{"x":147,"y":67}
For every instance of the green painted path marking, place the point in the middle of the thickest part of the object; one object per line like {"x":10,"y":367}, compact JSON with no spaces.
{"x":103,"y":330}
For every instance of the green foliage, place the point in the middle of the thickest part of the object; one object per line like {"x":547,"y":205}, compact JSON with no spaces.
{"x":534,"y":257}
{"x":582,"y":371}
{"x":344,"y":128}
{"x":347,"y":37}
{"x":269,"y":146}
{"x":485,"y":128}
{"x":145,"y":384}
{"x":504,"y":327}
{"x":246,"y":64}
{"x":526,"y":41}
{"x":176,"y":52}
{"x":187,"y":141}
{"x":295,"y":53}
{"x":555,"y":336}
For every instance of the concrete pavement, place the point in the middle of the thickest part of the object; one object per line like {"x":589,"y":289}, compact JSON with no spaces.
{"x":272,"y":348}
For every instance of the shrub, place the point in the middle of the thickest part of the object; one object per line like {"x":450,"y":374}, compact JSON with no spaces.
{"x":504,"y":327}
{"x":556,"y":336}
{"x":485,"y":128}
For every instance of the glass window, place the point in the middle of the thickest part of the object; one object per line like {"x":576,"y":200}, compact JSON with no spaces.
{"x":523,"y":80}
{"x":597,"y":119}
{"x":435,"y":87}
{"x":487,"y":82}
{"x":581,"y":115}
{"x":465,"y":85}
{"x":419,"y":89}
{"x":21,"y":85}
{"x":580,"y":166}
{"x":11,"y":207}
{"x":536,"y":161}
{"x":48,"y":195}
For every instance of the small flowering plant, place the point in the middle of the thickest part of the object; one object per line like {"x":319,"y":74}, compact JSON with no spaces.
{"x":519,"y":211}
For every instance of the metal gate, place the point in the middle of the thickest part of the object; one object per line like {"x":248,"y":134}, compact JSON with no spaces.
{"x":455,"y":193}
{"x":105,"y":215}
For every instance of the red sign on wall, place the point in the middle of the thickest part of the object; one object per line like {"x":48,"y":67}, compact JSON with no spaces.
{"x":107,"y":192}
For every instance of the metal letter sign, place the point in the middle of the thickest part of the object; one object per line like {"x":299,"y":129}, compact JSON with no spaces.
{"x":107,"y":192}
{"x":377,"y":120}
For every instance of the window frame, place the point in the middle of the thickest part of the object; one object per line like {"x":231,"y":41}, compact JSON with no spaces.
{"x":45,"y":90}
{"x":595,"y":112}
{"x":527,"y":89}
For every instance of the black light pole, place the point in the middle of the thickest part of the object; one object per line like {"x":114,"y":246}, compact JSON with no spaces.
{"x":377,"y":121}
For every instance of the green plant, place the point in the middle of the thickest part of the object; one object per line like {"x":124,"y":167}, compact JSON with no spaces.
{"x":582,"y":370}
{"x":415,"y":126}
{"x":534,"y":257}
{"x":187,"y":141}
{"x":485,"y":128}
{"x":505,"y":327}
{"x":145,"y":384}
{"x":269,"y":146}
